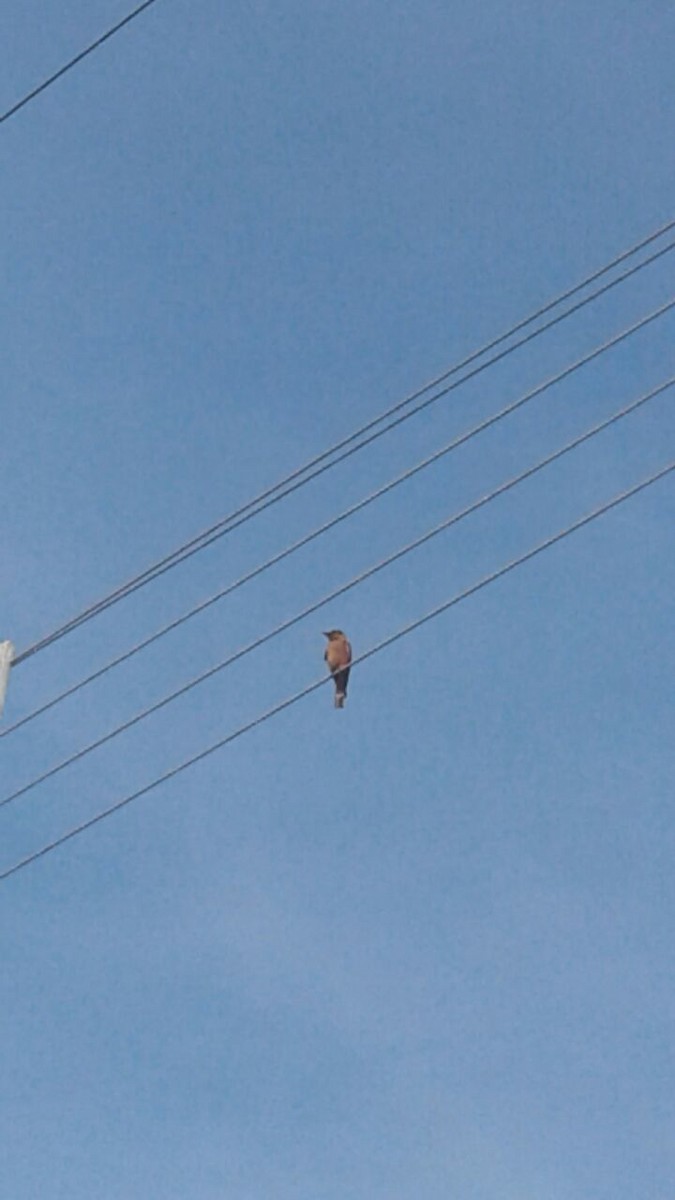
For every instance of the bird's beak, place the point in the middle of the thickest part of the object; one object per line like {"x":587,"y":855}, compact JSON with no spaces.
{"x":326,"y":634}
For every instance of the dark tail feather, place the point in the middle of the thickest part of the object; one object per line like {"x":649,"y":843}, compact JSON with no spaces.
{"x":341,"y":678}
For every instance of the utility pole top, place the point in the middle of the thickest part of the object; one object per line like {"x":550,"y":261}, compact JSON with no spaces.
{"x":6,"y":656}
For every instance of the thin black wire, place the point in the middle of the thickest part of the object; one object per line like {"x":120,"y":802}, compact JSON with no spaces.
{"x":42,"y":87}
{"x":292,"y":482}
{"x":280,"y":556}
{"x":312,"y":687}
{"x":346,"y":587}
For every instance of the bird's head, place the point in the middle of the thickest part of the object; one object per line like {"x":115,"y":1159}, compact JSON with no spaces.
{"x":332,"y":634}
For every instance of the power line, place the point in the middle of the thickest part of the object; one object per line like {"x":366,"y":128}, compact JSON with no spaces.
{"x":303,"y":541}
{"x":47,"y":83}
{"x":286,"y":486}
{"x":312,"y":687}
{"x":352,"y":583}
{"x":318,"y":465}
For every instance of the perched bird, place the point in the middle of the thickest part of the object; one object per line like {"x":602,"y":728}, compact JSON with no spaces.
{"x":338,"y":656}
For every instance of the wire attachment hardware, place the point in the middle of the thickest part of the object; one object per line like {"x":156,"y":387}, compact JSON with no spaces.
{"x":6,"y":656}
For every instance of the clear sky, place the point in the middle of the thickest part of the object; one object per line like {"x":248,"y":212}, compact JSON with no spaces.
{"x":421,"y":948}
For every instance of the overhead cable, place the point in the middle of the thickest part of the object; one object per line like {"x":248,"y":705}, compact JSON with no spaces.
{"x":47,"y":83}
{"x":346,"y":447}
{"x":454,"y":519}
{"x":359,"y":660}
{"x":313,"y":534}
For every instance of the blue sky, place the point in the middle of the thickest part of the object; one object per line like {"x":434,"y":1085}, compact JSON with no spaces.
{"x":422,"y":947}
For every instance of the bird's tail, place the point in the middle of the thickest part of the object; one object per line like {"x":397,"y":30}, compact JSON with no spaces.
{"x":341,"y":678}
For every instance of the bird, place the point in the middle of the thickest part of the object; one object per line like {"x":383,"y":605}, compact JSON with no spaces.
{"x":338,"y":656}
